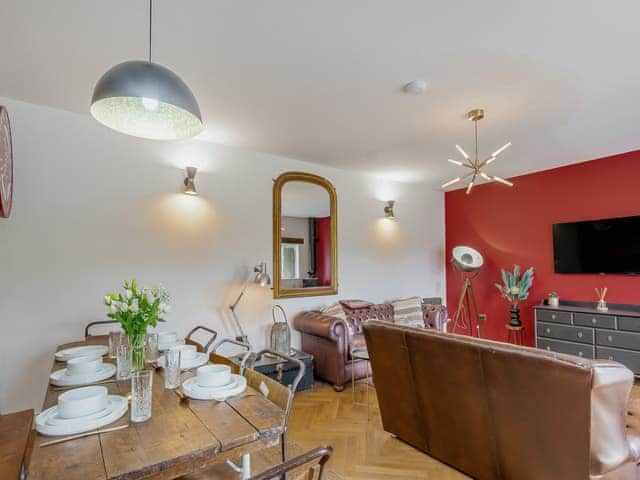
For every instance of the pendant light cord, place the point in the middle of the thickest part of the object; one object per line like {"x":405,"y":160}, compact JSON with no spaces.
{"x":150,"y":26}
{"x":475,"y":123}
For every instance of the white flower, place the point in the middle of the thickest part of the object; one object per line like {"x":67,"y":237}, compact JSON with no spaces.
{"x":128,"y":294}
{"x":107,"y":300}
{"x":124,"y":307}
{"x":134,"y":306}
{"x":167,"y":308}
{"x":162,"y":308}
{"x":113,"y":308}
{"x":149,"y":297}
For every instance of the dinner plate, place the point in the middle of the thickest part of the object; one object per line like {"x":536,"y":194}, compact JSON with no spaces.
{"x":84,"y":351}
{"x":199,"y":360}
{"x":191,"y":389}
{"x":166,"y":346}
{"x":60,"y":378}
{"x":117,"y":407}
{"x":56,"y":419}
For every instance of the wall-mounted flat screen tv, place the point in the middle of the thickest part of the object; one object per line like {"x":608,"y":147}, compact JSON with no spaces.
{"x":610,"y":245}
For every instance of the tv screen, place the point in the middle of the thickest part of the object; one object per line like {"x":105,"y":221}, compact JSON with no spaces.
{"x":598,"y":246}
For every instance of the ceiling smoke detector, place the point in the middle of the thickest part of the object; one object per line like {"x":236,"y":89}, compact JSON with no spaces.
{"x":417,"y":87}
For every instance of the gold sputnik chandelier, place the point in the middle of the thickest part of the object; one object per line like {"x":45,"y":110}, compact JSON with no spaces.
{"x":474,"y":164}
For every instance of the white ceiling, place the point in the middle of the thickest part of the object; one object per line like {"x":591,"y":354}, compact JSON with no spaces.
{"x":321,"y":80}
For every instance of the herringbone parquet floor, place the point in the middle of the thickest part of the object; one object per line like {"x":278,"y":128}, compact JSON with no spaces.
{"x":362,"y":449}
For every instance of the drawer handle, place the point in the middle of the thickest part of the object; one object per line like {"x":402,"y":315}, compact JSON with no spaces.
{"x":579,"y":334}
{"x":581,"y":354}
{"x":610,"y":338}
{"x":610,"y":357}
{"x":553,"y":316}
{"x":594,"y":320}
{"x":548,"y":330}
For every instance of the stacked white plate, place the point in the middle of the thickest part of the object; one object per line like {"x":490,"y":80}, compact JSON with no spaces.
{"x":84,"y":351}
{"x":189,"y":357}
{"x":82,"y":371}
{"x":81,"y":410}
{"x":214,"y":382}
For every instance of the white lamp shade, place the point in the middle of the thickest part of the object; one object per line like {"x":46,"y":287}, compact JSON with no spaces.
{"x":467,"y":259}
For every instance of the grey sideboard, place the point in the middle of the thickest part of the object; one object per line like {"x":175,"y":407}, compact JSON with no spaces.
{"x":577,"y":328}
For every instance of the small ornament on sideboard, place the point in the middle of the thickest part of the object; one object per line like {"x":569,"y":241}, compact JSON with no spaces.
{"x":553,"y":300}
{"x":602,"y":304}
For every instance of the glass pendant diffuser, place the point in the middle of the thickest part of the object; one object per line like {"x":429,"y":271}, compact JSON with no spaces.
{"x":145,"y":99}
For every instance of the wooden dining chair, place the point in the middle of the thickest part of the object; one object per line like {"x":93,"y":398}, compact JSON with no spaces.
{"x":237,"y":368}
{"x":188,"y":340}
{"x":313,"y":462}
{"x":91,"y":325}
{"x":281,"y":395}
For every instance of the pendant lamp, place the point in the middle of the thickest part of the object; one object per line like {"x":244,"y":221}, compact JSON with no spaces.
{"x":147,"y":100}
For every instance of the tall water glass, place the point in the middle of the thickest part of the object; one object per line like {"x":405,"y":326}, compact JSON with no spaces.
{"x":123,"y":362}
{"x":151,"y":346}
{"x":114,"y":341}
{"x":141,"y":395}
{"x":172,"y":367}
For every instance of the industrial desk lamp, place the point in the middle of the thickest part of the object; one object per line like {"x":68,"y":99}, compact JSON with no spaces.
{"x":259,"y":277}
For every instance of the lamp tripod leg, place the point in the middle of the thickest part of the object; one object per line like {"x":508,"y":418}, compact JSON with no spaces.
{"x":460,"y":305}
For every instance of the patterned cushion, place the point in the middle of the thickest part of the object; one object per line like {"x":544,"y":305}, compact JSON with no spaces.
{"x":408,"y":312}
{"x":355,"y":304}
{"x":336,"y":310}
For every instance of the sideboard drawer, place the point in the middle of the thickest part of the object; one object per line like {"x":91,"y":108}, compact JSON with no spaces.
{"x":612,"y":338}
{"x":631,"y":360}
{"x":588,"y":320}
{"x":629,"y":323}
{"x":543,"y":315}
{"x":580,"y":350}
{"x":565,"y":332}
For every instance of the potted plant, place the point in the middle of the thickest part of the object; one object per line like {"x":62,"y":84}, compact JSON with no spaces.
{"x":138,"y":309}
{"x":554,"y":300}
{"x":514,"y":289}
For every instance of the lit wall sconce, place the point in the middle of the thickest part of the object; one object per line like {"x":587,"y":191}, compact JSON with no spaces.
{"x":189,"y":181}
{"x":388,"y":210}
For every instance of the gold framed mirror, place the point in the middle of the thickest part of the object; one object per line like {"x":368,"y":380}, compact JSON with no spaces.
{"x":305,"y":236}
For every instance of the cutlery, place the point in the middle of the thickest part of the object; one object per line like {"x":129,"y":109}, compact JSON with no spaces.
{"x":58,"y":389}
{"x":82,"y":435}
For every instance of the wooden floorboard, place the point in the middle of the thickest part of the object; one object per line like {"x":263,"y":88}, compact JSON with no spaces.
{"x":362,"y":450}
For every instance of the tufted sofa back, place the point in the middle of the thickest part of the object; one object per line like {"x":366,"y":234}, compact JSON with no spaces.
{"x":434,"y":315}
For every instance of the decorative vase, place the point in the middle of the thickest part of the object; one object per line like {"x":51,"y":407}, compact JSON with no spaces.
{"x":514,"y":321}
{"x":136,"y":343}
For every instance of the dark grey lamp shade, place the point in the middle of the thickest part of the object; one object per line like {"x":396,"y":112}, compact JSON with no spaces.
{"x":147,"y":100}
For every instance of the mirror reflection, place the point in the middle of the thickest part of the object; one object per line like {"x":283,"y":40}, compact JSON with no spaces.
{"x":305,"y":236}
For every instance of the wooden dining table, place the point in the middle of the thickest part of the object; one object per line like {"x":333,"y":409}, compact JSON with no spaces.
{"x":179,"y":438}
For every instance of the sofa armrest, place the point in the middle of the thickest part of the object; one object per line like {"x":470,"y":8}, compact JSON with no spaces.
{"x":434,"y":316}
{"x":320,"y":325}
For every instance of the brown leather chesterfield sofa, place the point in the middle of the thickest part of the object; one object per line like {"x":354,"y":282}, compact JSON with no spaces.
{"x":327,"y":340}
{"x":497,"y":411}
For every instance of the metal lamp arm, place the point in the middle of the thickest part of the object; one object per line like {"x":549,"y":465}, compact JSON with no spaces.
{"x":243,"y":336}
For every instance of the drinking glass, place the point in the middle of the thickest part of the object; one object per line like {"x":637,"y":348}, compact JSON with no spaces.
{"x":141,"y":395}
{"x":123,"y":362}
{"x":172,"y":368}
{"x":114,"y":341}
{"x":151,"y":346}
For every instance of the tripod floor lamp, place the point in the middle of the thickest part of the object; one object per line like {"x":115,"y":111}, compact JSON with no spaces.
{"x":468,"y":261}
{"x":259,"y":277}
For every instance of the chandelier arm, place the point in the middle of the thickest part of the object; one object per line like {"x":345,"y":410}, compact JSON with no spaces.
{"x":486,"y":161}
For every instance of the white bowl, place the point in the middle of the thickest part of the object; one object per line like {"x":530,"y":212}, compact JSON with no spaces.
{"x":166,"y":338}
{"x":83,"y":365}
{"x":214,"y":375}
{"x":187,"y":352}
{"x":82,"y":401}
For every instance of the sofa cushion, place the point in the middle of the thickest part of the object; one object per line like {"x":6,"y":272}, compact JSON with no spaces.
{"x":408,"y":312}
{"x":355,"y":304}
{"x":336,"y":310}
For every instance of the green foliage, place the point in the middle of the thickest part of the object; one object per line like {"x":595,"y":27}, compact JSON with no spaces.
{"x":515,"y":287}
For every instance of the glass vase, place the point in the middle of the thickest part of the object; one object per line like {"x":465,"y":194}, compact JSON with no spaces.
{"x":136,"y":343}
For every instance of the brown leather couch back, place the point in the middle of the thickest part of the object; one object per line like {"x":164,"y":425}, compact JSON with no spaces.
{"x":492,"y":410}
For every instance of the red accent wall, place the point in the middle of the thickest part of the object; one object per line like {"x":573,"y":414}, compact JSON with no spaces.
{"x":323,"y":250}
{"x":513,"y":226}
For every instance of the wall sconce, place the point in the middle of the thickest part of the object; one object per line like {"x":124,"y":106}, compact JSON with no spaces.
{"x":388,"y":210}
{"x":189,"y":183}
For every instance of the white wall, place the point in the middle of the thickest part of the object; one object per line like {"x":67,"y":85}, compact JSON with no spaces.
{"x":93,"y":207}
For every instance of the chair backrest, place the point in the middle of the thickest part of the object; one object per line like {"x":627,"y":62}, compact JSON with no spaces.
{"x":89,"y":326}
{"x":199,"y":346}
{"x":274,"y":391}
{"x":312,"y":462}
{"x":237,"y":368}
{"x":469,"y":402}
